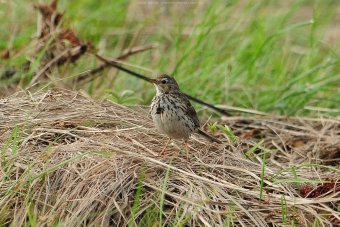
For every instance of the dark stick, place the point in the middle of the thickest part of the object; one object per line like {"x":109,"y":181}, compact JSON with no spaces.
{"x":221,"y":111}
{"x":115,"y":65}
{"x":127,"y":53}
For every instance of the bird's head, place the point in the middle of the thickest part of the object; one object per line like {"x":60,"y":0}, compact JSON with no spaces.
{"x":165,"y":84}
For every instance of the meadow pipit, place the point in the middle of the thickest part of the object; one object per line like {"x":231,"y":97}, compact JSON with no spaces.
{"x":173,"y":113}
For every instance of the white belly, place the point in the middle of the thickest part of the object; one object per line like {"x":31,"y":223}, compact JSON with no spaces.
{"x":174,"y":123}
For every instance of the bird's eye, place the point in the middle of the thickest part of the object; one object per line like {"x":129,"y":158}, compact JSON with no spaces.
{"x":163,"y":81}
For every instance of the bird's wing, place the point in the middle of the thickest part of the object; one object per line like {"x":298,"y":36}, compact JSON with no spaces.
{"x":190,"y":110}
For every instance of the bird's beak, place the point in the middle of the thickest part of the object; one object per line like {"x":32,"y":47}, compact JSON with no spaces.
{"x":152,"y":81}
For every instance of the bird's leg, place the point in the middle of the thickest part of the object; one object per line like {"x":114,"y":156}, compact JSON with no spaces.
{"x":162,"y":152}
{"x":187,"y":149}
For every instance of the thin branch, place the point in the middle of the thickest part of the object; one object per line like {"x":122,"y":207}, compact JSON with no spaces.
{"x":114,"y":64}
{"x":125,"y":54}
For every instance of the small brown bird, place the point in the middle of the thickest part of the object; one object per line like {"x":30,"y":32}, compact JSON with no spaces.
{"x":173,"y":113}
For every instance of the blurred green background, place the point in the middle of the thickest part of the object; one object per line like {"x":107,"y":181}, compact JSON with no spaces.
{"x":273,"y":56}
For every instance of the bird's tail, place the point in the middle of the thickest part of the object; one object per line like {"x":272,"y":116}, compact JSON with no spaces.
{"x":210,"y":137}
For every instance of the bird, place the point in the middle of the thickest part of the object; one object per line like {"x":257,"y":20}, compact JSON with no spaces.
{"x":173,"y":114}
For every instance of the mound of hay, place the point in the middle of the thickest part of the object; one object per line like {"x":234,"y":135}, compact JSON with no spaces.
{"x":72,"y":162}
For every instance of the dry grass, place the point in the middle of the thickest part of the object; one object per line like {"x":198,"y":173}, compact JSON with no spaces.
{"x":74,"y":162}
